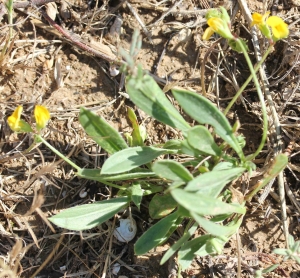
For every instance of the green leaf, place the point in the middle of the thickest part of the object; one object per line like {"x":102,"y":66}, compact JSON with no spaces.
{"x":295,"y":247}
{"x":101,"y":132}
{"x":296,"y":258}
{"x":173,"y":144}
{"x":176,"y":184}
{"x":224,"y":165}
{"x":87,"y":216}
{"x":178,"y":244}
{"x":200,"y":138}
{"x":136,"y":194}
{"x":155,"y":235}
{"x":187,"y":252}
{"x":291,"y":240}
{"x":279,"y":163}
{"x":212,"y":183}
{"x":258,"y":274}
{"x":130,"y":158}
{"x":280,"y":251}
{"x":216,"y":229}
{"x":151,"y":189}
{"x":94,"y":174}
{"x":137,"y":133}
{"x":147,"y":189}
{"x":270,"y":268}
{"x":148,"y":96}
{"x":203,"y":204}
{"x":186,"y":148}
{"x":220,"y":218}
{"x":236,"y":46}
{"x":195,"y":163}
{"x":204,"y":112}
{"x":24,"y":126}
{"x":214,"y":246}
{"x":171,"y":170}
{"x":128,"y":138}
{"x":173,"y":227}
{"x":161,"y":205}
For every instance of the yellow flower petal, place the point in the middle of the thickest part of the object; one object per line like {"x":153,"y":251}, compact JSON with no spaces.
{"x":259,"y":19}
{"x":41,"y":115}
{"x":207,"y":33}
{"x":14,"y":120}
{"x":215,"y":23}
{"x":279,"y":27}
{"x":220,"y":26}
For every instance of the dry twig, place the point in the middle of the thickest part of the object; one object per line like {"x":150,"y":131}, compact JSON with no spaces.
{"x":140,"y":21}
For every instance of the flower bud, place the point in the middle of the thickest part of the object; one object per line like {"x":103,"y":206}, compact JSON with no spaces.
{"x":42,"y":116}
{"x":225,"y":15}
{"x":16,"y":124}
{"x":212,"y":13}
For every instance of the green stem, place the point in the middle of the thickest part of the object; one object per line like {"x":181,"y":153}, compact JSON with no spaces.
{"x":120,"y":187}
{"x":179,"y":271}
{"x":261,"y":99}
{"x":256,"y":68}
{"x":9,"y":6}
{"x":41,"y":139}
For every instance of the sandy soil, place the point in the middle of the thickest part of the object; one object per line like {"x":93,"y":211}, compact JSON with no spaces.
{"x":42,"y":67}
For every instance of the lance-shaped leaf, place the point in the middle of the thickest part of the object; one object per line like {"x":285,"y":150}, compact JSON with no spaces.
{"x":171,"y":170}
{"x":178,"y":244}
{"x":148,"y":96}
{"x":138,"y":134}
{"x":204,"y":112}
{"x":161,"y":205}
{"x":136,"y":194}
{"x":186,"y":254}
{"x":155,"y":235}
{"x":203,"y":204}
{"x":279,"y":163}
{"x":87,"y":216}
{"x":101,"y":131}
{"x":212,"y":183}
{"x":217,"y":229}
{"x":200,"y":138}
{"x":130,"y":158}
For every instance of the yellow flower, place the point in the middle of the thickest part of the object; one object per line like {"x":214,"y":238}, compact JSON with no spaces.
{"x":215,"y":23}
{"x":279,"y":27}
{"x":41,"y":115}
{"x":15,"y":123}
{"x":260,"y":21}
{"x":14,"y":120}
{"x":219,"y":26}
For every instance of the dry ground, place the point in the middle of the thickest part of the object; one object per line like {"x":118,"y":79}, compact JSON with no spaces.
{"x":33,"y":71}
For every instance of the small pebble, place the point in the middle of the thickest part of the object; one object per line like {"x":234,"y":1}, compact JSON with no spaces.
{"x":73,"y":57}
